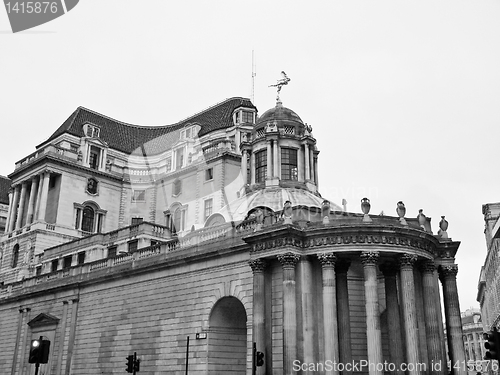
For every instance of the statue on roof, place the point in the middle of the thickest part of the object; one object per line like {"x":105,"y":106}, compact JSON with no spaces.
{"x":281,"y":82}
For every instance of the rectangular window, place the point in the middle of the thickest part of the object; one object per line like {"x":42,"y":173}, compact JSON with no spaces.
{"x":112,"y":251}
{"x":132,"y":245}
{"x":94,"y":157}
{"x":179,"y":158}
{"x":261,"y":166}
{"x":38,"y":270}
{"x":169,"y":164}
{"x":67,"y":262}
{"x":139,"y":196}
{"x":247,"y":117}
{"x":188,"y":133}
{"x":81,"y":257}
{"x":54,"y":265}
{"x":137,"y":220}
{"x":154,"y":242}
{"x":289,"y":170}
{"x":209,"y":174}
{"x":208,"y":208}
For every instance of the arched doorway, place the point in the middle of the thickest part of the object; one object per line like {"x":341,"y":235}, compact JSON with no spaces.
{"x":227,"y":338}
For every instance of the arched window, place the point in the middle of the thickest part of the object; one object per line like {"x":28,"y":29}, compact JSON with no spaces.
{"x":177,"y":220}
{"x":15,"y":255}
{"x":88,"y":219}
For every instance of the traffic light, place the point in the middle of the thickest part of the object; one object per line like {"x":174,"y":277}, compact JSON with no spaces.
{"x":35,"y":351}
{"x":39,"y":351}
{"x":492,"y":343}
{"x":136,"y":365}
{"x":130,"y":364}
{"x":260,"y":359}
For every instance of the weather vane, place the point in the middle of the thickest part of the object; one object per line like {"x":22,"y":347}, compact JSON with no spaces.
{"x":281,"y":82}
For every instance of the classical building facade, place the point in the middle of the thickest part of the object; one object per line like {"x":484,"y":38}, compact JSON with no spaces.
{"x":473,"y":335}
{"x":488,"y":294}
{"x":122,"y":238}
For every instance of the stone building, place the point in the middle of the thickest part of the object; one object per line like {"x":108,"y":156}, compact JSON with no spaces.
{"x":473,"y":335}
{"x":488,"y":294}
{"x":4,"y":201}
{"x":123,"y":238}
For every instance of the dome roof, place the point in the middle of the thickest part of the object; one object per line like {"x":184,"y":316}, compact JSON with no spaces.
{"x":282,"y":115}
{"x":273,"y":198}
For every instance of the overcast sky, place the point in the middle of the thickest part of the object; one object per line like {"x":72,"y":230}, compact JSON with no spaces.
{"x":403,"y":97}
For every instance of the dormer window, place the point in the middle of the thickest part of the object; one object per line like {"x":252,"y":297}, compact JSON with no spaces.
{"x":246,"y":117}
{"x":92,"y":131}
{"x":189,"y":133}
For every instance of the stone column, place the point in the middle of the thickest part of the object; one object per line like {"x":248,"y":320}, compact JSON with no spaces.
{"x":24,"y":344}
{"x":20,"y":325}
{"x":62,"y":336}
{"x":431,"y":314}
{"x":9,"y":212}
{"x":410,"y":312}
{"x":316,"y":172}
{"x":22,"y":200}
{"x":448,"y":276}
{"x":300,"y":164}
{"x":369,"y":260}
{"x":343,"y":313}
{"x":306,"y":162}
{"x":259,"y":325}
{"x":44,"y":196}
{"x":396,"y":346}
{"x":13,"y":211}
{"x":311,"y":160}
{"x":38,"y":198}
{"x":304,"y":269}
{"x":244,"y":166}
{"x":329,"y":309}
{"x":72,"y":333}
{"x":275,"y":158}
{"x":31,"y":202}
{"x":269,"y":160}
{"x":288,"y":261}
{"x":252,"y":168}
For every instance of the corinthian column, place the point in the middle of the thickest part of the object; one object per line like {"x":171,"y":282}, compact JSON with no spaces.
{"x":31,"y":201}
{"x":275,"y":158}
{"x":390,"y":272}
{"x":13,"y":210}
{"x":306,"y":162}
{"x":448,"y":276}
{"x":329,"y":309}
{"x":22,"y":201}
{"x":259,"y":326}
{"x":343,"y":313}
{"x":44,"y":196}
{"x":369,"y":260}
{"x":431,"y":314}
{"x":288,"y":261}
{"x":410,"y":312}
{"x":269,"y":160}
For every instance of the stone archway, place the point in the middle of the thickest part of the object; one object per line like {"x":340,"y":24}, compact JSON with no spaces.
{"x":227,"y":338}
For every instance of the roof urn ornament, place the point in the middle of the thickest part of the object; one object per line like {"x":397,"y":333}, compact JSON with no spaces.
{"x":279,"y":84}
{"x":422,"y":219}
{"x":287,"y":212}
{"x":325,"y":211}
{"x":365,"y":208}
{"x":443,"y":227}
{"x":401,"y":211}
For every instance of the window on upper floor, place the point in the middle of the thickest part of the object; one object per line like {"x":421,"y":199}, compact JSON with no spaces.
{"x":132,"y":245}
{"x":54,"y":265}
{"x":38,"y":270}
{"x":92,"y":131}
{"x":208,"y":208}
{"x":179,"y":158}
{"x":209,"y":174}
{"x":67,"y":261}
{"x":136,"y":220}
{"x":94,"y":157}
{"x":81,"y":257}
{"x":247,"y":117}
{"x":139,"y":196}
{"x":112,"y":251}
{"x":168,"y":164}
{"x":289,"y":170}
{"x":260,"y":166}
{"x":15,"y":256}
{"x":89,"y":218}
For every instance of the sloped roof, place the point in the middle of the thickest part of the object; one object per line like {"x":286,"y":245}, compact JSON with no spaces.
{"x":151,"y":139}
{"x":4,"y":189}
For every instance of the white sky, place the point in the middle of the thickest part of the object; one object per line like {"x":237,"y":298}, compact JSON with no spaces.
{"x":403,"y":97}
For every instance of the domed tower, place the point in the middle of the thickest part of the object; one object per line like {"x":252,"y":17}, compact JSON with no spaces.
{"x":282,"y":152}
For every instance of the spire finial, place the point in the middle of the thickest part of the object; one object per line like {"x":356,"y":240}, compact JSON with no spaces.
{"x":281,"y":82}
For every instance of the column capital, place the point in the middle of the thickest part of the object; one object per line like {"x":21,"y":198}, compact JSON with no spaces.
{"x":327,"y":259}
{"x":288,"y":260}
{"x":369,"y":257}
{"x":257,"y":265}
{"x":406,"y":261}
{"x":448,"y":271}
{"x":342,"y":266}
{"x":427,"y":266}
{"x":389,"y":269}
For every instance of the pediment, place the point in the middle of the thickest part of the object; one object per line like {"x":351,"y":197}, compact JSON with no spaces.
{"x":43,"y":320}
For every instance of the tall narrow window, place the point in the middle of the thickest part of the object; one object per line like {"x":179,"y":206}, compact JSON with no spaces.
{"x":179,"y":158}
{"x":208,"y":208}
{"x":177,"y":220}
{"x":261,"y":166}
{"x":289,"y":169}
{"x":88,"y":219}
{"x":94,"y":157}
{"x":81,"y":257}
{"x":15,"y":255}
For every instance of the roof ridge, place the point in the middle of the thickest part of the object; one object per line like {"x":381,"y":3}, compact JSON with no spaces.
{"x":213,"y":106}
